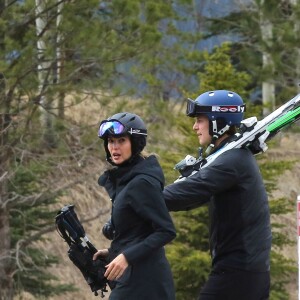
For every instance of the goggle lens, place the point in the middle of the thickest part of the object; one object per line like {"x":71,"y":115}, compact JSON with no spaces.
{"x":190,"y":107}
{"x":114,"y":127}
{"x":193,"y":109}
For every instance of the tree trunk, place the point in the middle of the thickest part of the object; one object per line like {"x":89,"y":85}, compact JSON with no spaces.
{"x":6,"y":281}
{"x":268,"y":86}
{"x":43,"y":76}
{"x":6,"y":291}
{"x":295,"y":3}
{"x":59,"y":61}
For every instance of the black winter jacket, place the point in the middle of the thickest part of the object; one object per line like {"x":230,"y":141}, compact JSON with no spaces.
{"x":240,"y":234}
{"x":142,"y":226}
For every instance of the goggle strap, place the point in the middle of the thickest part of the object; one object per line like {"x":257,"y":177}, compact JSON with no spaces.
{"x":137,"y":131}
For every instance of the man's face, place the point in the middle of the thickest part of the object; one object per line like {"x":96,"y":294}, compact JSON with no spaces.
{"x":201,"y":127}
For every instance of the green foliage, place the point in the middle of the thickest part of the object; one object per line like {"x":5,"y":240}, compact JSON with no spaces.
{"x":220,"y":74}
{"x":272,"y":169}
{"x":37,"y":280}
{"x":190,"y":269}
{"x":281,"y":271}
{"x":188,"y":254}
{"x":26,"y":220}
{"x":277,"y":206}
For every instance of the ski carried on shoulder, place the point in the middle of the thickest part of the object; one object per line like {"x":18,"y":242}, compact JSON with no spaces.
{"x":253,"y":135}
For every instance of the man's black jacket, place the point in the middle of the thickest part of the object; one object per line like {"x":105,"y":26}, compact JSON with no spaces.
{"x":240,"y":234}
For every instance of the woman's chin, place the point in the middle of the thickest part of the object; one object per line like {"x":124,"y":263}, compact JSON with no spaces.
{"x":118,"y":161}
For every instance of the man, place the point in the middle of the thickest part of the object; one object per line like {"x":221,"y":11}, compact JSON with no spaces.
{"x":240,"y":234}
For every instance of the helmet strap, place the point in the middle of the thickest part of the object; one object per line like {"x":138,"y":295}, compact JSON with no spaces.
{"x":215,"y":135}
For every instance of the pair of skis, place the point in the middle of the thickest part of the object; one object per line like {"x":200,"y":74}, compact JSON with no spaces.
{"x":253,"y":134}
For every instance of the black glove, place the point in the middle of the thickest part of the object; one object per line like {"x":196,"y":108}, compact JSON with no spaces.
{"x":108,"y":230}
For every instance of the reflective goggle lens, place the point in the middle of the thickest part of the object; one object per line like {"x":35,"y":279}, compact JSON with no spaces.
{"x":114,"y":127}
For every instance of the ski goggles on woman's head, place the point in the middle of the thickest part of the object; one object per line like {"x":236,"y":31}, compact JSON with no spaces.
{"x":113,"y":127}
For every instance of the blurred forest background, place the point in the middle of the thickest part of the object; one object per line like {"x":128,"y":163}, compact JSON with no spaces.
{"x":67,"y":64}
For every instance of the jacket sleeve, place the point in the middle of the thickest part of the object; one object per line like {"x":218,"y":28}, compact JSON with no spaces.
{"x":152,"y":208}
{"x":197,"y":189}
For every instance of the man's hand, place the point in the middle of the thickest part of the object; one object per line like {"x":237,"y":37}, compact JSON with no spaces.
{"x":101,"y":253}
{"x":116,"y":268}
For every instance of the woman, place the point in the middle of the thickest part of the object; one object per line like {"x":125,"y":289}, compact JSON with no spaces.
{"x":140,"y":221}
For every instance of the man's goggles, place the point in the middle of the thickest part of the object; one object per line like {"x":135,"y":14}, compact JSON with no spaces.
{"x":193,"y":108}
{"x":115,"y":127}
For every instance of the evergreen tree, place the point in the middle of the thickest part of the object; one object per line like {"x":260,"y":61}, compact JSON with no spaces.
{"x":282,"y":268}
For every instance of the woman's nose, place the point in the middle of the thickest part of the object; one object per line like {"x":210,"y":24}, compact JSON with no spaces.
{"x":115,"y":145}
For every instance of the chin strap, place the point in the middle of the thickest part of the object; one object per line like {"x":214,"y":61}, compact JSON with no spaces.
{"x":215,"y":136}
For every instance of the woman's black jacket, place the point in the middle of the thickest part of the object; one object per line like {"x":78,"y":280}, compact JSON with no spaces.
{"x":142,"y":227}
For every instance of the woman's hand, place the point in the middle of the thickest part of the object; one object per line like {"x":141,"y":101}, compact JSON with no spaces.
{"x":116,"y":268}
{"x":101,"y":253}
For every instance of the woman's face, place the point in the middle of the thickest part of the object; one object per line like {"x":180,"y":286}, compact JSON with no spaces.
{"x":119,"y":149}
{"x":201,"y":127}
